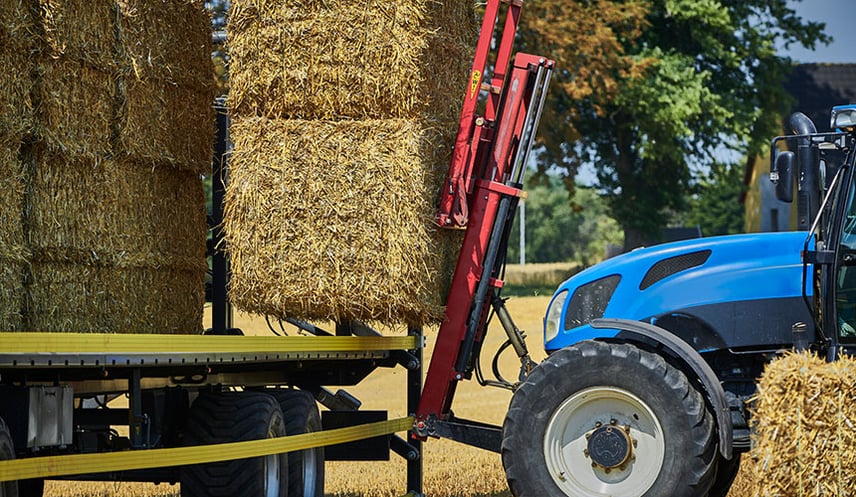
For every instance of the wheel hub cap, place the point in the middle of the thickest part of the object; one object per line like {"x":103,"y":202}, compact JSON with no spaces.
{"x":610,"y":446}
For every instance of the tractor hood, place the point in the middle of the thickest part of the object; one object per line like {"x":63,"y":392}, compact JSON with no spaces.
{"x":720,"y":285}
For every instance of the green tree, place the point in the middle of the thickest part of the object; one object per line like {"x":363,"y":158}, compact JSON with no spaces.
{"x":716,"y":208}
{"x":692,"y":77}
{"x":559,"y":230}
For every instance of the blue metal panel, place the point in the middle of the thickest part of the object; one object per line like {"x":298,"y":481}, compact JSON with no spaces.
{"x":740,"y":269}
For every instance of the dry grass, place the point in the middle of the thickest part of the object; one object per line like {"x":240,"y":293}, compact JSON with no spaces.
{"x":540,"y":275}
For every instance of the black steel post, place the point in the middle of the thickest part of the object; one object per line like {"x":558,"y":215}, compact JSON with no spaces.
{"x":414,"y":392}
{"x":221,"y":310}
{"x":135,"y":410}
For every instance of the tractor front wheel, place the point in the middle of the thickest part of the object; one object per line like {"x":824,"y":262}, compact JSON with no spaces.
{"x":599,"y":419}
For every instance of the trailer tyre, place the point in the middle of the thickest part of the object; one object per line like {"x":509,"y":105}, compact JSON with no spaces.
{"x":306,"y":467}
{"x":600,"y":419}
{"x":31,"y":488}
{"x":235,"y":417}
{"x":7,"y":452}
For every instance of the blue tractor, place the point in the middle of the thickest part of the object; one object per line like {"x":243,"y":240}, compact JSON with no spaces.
{"x":654,"y":355}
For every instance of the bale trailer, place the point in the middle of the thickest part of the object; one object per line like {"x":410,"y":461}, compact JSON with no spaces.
{"x":227,"y":414}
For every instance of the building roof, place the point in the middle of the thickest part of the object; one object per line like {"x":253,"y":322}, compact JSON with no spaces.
{"x":818,"y":87}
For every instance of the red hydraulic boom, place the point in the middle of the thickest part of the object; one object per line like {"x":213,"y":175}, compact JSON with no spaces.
{"x":481,"y":193}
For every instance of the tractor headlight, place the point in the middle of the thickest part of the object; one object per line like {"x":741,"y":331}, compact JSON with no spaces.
{"x":843,"y":117}
{"x":552,"y":322}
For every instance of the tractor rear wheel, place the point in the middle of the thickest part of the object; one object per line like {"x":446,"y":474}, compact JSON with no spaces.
{"x":599,"y":419}
{"x":305,"y":467}
{"x":235,"y":417}
{"x":7,"y":452}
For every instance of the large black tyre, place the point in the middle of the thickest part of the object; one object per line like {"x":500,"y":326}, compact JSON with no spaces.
{"x":235,"y":417}
{"x":726,"y":471}
{"x":31,"y":488}
{"x":600,"y":419}
{"x":7,"y":452}
{"x":306,"y":467}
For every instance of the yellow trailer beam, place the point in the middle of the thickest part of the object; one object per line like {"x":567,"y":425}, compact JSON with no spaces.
{"x":110,"y":343}
{"x":81,"y":464}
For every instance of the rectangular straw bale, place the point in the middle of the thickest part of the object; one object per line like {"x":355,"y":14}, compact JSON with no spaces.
{"x":17,"y":46}
{"x":66,"y":296}
{"x":130,"y":231}
{"x":334,"y":219}
{"x":16,"y":21}
{"x":13,"y":253}
{"x":117,"y":213}
{"x":805,"y":428}
{"x":328,"y":60}
{"x":169,"y":123}
{"x":168,"y":40}
{"x":77,"y":105}
{"x":81,"y":30}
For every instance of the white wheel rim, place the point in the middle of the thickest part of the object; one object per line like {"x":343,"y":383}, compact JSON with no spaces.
{"x":565,"y":444}
{"x":271,"y":469}
{"x":309,"y":469}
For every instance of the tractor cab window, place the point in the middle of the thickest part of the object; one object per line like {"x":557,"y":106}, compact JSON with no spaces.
{"x":845,"y":299}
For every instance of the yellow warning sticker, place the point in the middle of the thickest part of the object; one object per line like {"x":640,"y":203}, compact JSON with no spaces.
{"x":474,"y":82}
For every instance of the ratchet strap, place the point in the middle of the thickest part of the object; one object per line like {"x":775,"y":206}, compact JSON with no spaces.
{"x":78,"y":464}
{"x":115,"y":343}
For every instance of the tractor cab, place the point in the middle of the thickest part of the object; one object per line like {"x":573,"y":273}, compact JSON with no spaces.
{"x":823,"y":168}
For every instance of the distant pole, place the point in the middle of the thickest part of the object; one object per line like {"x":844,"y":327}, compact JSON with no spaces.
{"x":522,"y":232}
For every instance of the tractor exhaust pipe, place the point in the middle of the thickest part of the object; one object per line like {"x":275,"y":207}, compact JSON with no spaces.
{"x":808,"y":185}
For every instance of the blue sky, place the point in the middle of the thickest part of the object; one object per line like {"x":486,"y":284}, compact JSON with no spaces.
{"x":840,"y":19}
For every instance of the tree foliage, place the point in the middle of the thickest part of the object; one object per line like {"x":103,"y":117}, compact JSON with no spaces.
{"x":559,"y":229}
{"x":715,"y":208}
{"x":651,"y":87}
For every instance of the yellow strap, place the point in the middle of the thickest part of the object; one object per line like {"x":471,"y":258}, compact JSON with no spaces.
{"x":78,"y":464}
{"x":111,"y":343}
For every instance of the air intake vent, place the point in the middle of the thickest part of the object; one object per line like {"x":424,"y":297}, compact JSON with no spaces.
{"x":673,"y":265}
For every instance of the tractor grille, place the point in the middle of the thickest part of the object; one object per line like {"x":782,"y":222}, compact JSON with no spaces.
{"x":590,"y":301}
{"x":673,"y":265}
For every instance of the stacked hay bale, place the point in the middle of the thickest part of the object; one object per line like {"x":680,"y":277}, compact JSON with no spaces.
{"x":17,"y":45}
{"x":114,"y":218}
{"x":343,"y":117}
{"x":805,"y":430}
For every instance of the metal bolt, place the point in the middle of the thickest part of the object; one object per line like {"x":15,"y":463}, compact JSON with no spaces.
{"x":613,"y":421}
{"x":607,"y":470}
{"x":586,"y":452}
{"x":598,"y":424}
{"x":593,"y":464}
{"x":562,"y":475}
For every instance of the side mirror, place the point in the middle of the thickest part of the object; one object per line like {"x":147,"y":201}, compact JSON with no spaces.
{"x":783,"y":176}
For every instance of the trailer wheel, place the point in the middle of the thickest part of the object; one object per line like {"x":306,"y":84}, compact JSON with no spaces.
{"x":31,"y":488}
{"x":600,"y":419}
{"x":306,"y":467}
{"x":235,"y":417}
{"x":7,"y":452}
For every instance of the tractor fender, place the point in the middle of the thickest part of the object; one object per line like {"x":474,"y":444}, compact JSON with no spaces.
{"x":693,"y":360}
